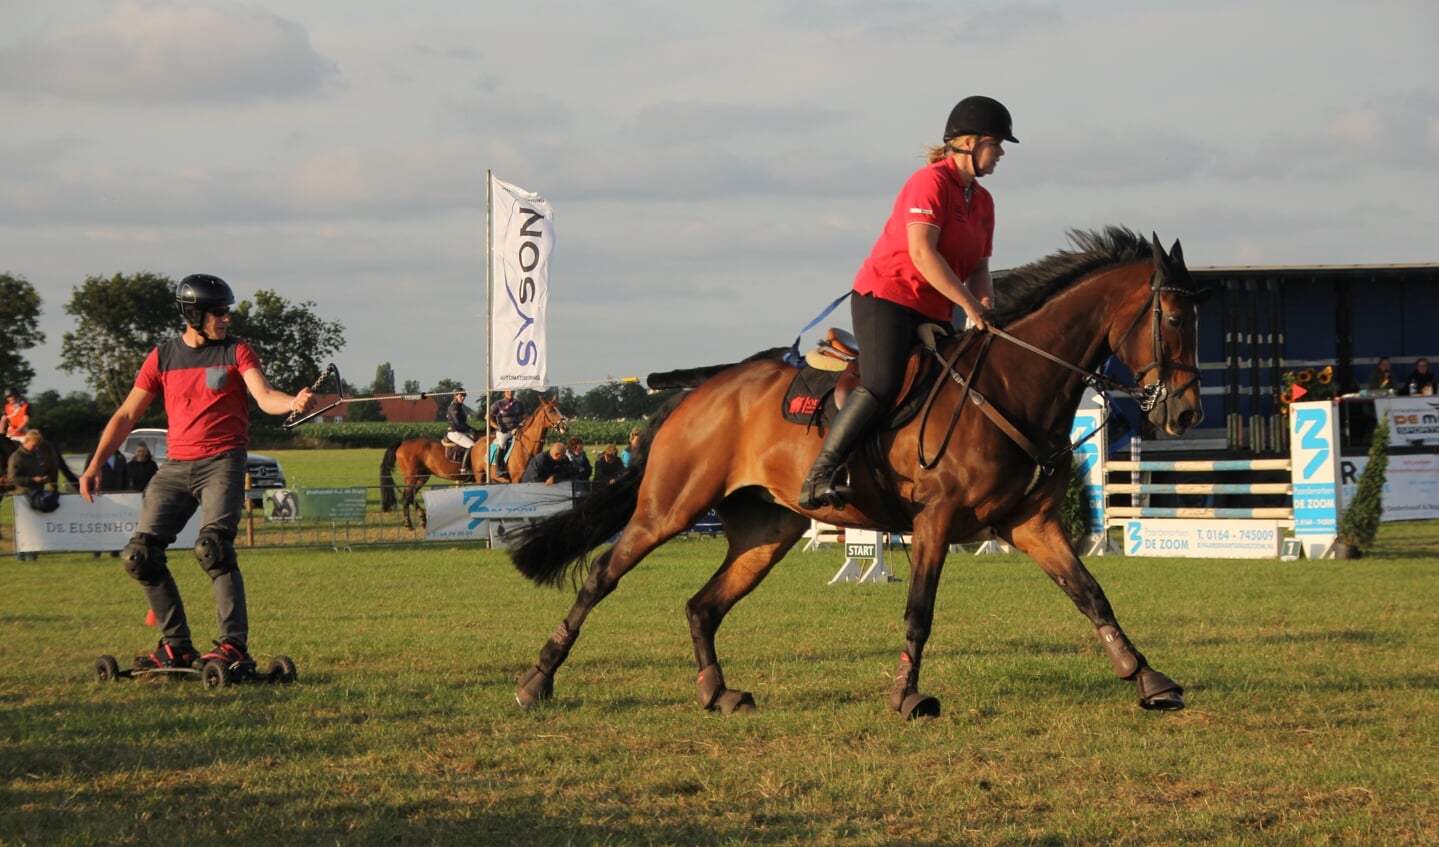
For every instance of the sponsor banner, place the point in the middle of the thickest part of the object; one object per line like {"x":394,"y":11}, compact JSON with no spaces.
{"x":1202,"y":539}
{"x":480,"y":512}
{"x":1090,"y":419}
{"x":105,"y":524}
{"x":1411,"y":484}
{"x":319,"y":505}
{"x":1413,"y":421}
{"x":522,"y":237}
{"x":1314,"y":455}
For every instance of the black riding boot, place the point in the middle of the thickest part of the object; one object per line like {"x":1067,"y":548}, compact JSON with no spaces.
{"x":821,"y":487}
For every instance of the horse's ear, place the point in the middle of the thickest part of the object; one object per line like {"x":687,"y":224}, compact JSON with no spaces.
{"x":1159,"y":255}
{"x":1176,"y":253}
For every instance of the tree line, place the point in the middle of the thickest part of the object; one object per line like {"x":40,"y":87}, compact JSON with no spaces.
{"x":120,"y":318}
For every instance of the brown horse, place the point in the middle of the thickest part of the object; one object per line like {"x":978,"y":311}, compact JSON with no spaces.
{"x":982,"y":453}
{"x":421,"y":458}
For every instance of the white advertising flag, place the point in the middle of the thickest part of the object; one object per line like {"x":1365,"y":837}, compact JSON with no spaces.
{"x":522,"y":237}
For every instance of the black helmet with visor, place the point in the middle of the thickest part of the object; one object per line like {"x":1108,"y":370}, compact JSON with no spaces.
{"x":198,"y":294}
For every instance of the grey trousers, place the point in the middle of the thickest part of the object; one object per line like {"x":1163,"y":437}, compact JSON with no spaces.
{"x":216,"y":487}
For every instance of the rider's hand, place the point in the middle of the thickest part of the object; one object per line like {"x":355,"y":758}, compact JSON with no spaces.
{"x":978,"y":315}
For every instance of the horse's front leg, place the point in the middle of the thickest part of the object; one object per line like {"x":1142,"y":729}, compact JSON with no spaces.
{"x":926,"y":565}
{"x":1043,"y":539}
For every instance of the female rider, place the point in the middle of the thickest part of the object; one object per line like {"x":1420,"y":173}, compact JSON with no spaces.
{"x":933,"y":253}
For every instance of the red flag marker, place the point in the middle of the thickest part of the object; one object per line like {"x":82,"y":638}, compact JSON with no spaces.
{"x":1299,"y":391}
{"x":150,"y":617}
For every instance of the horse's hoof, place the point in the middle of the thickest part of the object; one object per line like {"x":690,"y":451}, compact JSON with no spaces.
{"x":918,"y":705}
{"x":535,"y":685}
{"x":730,"y":701}
{"x":1158,"y":692}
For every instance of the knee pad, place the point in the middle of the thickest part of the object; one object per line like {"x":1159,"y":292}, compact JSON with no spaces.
{"x":143,"y":561}
{"x":215,"y":553}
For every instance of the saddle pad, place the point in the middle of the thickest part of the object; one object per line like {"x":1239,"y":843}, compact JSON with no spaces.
{"x":810,"y":397}
{"x":809,"y":400}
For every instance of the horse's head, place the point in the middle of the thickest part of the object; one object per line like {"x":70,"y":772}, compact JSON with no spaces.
{"x":1164,"y":359}
{"x":549,"y":412}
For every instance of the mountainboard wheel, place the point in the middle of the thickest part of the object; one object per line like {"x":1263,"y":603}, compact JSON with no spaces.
{"x":107,"y":669}
{"x":215,"y":674}
{"x":282,"y":669}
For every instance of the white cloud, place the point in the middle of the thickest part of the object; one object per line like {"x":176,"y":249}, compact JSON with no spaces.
{"x":162,"y":51}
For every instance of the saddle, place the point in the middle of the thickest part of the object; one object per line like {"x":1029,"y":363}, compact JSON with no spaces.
{"x":819,"y":391}
{"x":455,"y":452}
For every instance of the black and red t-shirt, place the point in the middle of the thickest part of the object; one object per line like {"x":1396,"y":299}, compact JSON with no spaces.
{"x":204,"y":392}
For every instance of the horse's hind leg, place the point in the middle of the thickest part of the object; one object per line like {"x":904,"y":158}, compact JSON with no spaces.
{"x":636,"y":541}
{"x":759,"y":535}
{"x":1043,"y":539}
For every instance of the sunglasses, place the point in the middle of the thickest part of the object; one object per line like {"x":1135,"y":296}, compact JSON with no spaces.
{"x":219,"y":311}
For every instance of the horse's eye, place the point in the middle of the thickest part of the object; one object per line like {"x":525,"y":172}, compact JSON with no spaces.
{"x":1172,"y":320}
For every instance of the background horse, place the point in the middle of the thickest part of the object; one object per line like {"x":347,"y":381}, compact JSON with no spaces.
{"x":983,"y":453}
{"x":420,"y":458}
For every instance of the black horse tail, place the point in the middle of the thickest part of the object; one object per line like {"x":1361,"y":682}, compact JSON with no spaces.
{"x":387,"y":479}
{"x":692,"y":377}
{"x":559,"y":546}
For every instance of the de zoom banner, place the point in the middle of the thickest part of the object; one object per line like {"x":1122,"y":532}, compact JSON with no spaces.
{"x":522,"y":237}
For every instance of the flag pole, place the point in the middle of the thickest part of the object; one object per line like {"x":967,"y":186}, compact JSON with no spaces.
{"x":489,"y":293}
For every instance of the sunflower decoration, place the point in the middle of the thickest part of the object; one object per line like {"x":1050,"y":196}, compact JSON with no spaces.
{"x":1309,"y":384}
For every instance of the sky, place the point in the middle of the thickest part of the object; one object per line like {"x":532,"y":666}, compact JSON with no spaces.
{"x":717,"y":171}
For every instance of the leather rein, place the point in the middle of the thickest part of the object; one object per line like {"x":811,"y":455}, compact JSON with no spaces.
{"x":1147,"y":396}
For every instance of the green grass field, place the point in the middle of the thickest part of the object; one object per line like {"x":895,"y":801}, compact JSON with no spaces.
{"x":1313,"y":691}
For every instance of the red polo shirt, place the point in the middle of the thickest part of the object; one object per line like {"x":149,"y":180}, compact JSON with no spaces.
{"x":933,"y":196}
{"x":206,"y":400}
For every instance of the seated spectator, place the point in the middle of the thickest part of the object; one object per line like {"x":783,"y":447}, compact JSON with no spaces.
{"x":1421,"y":381}
{"x":1382,"y":378}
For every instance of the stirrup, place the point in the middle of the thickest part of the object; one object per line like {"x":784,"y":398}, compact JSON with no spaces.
{"x":833,"y":494}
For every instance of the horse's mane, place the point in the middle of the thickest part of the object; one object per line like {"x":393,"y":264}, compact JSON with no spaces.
{"x":1023,"y":288}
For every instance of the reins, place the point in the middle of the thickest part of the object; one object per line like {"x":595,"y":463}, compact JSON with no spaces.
{"x":1147,"y":397}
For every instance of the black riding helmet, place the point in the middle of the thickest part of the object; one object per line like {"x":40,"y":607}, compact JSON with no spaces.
{"x":199,"y":293}
{"x":979,"y":115}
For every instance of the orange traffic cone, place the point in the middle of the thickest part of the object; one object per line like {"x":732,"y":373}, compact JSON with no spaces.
{"x":150,"y":617}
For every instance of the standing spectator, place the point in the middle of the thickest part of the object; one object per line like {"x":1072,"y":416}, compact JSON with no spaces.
{"x":1421,"y":381}
{"x":141,"y":468}
{"x":548,"y":467}
{"x":505,"y":417}
{"x":114,"y":476}
{"x":1382,"y":378}
{"x":608,"y":465}
{"x":206,"y":379}
{"x":579,"y":462}
{"x":630,"y":452}
{"x":17,"y":415}
{"x":114,"y":473}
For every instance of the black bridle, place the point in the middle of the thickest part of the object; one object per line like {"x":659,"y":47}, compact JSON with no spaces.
{"x":1147,"y":396}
